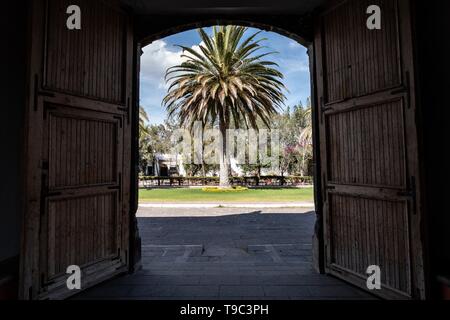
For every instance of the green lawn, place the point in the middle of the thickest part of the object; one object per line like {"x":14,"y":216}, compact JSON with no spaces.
{"x":187,"y":195}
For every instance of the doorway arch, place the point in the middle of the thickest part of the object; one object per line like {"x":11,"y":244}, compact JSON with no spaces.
{"x":348,"y":84}
{"x":347,"y":105}
{"x":286,"y":28}
{"x":145,"y":40}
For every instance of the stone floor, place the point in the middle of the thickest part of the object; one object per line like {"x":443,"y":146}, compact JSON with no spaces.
{"x":224,"y":253}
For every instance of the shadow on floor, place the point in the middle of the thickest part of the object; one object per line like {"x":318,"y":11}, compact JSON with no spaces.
{"x":225,"y":254}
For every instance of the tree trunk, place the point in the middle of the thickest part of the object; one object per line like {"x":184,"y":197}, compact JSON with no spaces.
{"x":302,"y":165}
{"x":203,"y":169}
{"x":203,"y":160}
{"x":224,"y":161}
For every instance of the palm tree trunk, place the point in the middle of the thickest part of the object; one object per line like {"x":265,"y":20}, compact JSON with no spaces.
{"x":224,"y":181}
{"x":203,"y":169}
{"x":302,"y":165}
{"x":203,"y":161}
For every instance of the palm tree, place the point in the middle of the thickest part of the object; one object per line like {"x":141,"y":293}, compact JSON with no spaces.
{"x":143,"y":119}
{"x":226,"y":82}
{"x":306,"y":140}
{"x":144,"y":131}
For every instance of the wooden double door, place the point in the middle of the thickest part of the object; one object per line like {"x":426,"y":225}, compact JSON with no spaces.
{"x":79,"y":147}
{"x":78,"y":152}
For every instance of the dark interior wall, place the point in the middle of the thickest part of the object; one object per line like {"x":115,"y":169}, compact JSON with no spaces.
{"x":11,"y":129}
{"x":153,"y":27}
{"x":218,"y":7}
{"x":432,"y":28}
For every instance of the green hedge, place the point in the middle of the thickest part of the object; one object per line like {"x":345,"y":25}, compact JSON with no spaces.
{"x":249,"y":180}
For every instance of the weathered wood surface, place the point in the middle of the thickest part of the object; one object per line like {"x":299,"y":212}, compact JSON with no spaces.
{"x":368,"y":141}
{"x":79,"y":147}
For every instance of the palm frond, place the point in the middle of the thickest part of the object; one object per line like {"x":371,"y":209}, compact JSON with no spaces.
{"x":227,"y":78}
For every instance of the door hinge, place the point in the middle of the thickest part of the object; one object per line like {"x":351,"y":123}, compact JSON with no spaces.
{"x":120,"y":118}
{"x":411,"y":193}
{"x":413,"y":188}
{"x":398,"y":91}
{"x":118,"y":187}
{"x":128,"y":110}
{"x":408,"y":89}
{"x":44,"y":165}
{"x":322,"y":106}
{"x":36,"y":89}
{"x":405,"y":89}
{"x":47,"y":109}
{"x":44,"y":191}
{"x":406,"y":193}
{"x":42,"y":280}
{"x":417,"y":293}
{"x":47,"y":94}
{"x":53,"y":194}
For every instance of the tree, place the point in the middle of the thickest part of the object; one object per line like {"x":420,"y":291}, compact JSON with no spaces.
{"x":144,"y":131}
{"x":143,"y":119}
{"x":153,"y":139}
{"x":255,"y":169}
{"x":225,"y":82}
{"x":295,"y":128}
{"x":306,"y":141}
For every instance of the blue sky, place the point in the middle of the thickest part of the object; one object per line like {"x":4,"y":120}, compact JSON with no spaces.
{"x":162,"y":54}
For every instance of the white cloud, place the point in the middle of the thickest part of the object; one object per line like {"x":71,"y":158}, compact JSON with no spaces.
{"x":196,"y":48}
{"x":157,"y":58}
{"x":155,"y":61}
{"x":291,"y":65}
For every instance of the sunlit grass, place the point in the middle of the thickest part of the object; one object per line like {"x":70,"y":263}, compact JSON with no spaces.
{"x":186,"y":195}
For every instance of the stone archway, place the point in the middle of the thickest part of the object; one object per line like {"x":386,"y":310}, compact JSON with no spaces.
{"x":54,"y":104}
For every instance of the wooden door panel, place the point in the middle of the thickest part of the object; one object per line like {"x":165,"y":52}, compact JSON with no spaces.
{"x":360,"y":61}
{"x":368,"y":146}
{"x":82,"y":150}
{"x":82,"y":216}
{"x":368,"y":231}
{"x":79,"y":147}
{"x":82,"y":231}
{"x":89,"y":62}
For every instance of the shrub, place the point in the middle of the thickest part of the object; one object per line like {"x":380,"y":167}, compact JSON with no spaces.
{"x":218,"y":189}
